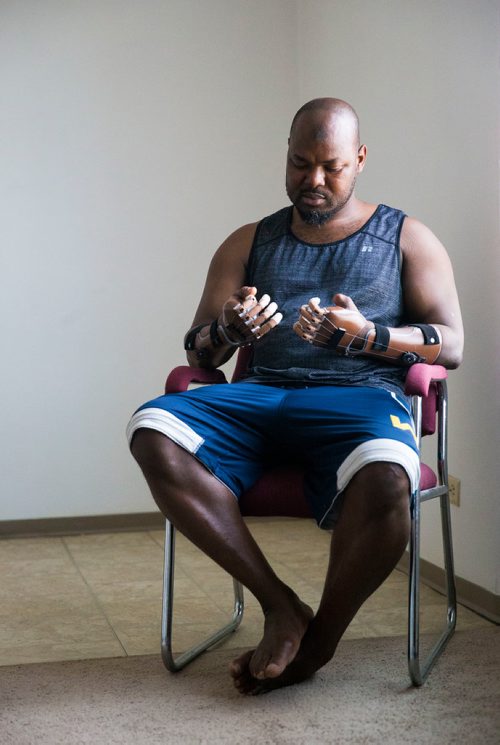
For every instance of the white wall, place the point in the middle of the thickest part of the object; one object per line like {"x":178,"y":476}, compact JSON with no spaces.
{"x":424,"y":78}
{"x":136,"y":135}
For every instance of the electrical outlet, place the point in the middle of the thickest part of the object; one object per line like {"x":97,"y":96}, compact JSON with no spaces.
{"x":454,"y":485}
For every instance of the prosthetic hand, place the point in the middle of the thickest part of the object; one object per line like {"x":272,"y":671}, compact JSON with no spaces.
{"x":243,"y":321}
{"x":346,"y":331}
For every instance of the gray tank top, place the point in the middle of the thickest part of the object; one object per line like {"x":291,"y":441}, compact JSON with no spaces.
{"x":366,"y":266}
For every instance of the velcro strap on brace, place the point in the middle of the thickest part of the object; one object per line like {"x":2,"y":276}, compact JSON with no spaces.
{"x":214,"y":336}
{"x":335,"y":338}
{"x":431,"y":335}
{"x":382,"y":338}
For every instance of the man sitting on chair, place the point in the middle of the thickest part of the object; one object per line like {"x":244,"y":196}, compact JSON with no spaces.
{"x":350,"y":294}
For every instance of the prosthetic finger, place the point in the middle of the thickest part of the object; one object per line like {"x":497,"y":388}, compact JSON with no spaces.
{"x":251,"y":308}
{"x":314,"y":305}
{"x":301,"y":330}
{"x":304,"y":330}
{"x":253,"y":314}
{"x":270,"y":324}
{"x":256,"y":321}
{"x":311,"y":316}
{"x":266,"y":321}
{"x":245,"y":306}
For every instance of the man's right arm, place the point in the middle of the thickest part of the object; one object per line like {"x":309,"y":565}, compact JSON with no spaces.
{"x":228,"y":315}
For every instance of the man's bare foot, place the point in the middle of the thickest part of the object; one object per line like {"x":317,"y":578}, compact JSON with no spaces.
{"x":284,"y":628}
{"x":312,"y":655}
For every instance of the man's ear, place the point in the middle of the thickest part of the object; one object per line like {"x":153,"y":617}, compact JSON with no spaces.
{"x":361,"y":157}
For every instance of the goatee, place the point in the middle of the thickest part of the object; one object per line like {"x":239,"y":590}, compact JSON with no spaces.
{"x":316,"y":218}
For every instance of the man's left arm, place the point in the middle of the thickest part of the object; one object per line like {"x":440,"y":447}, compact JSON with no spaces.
{"x":429,"y":292}
{"x":434,"y":332}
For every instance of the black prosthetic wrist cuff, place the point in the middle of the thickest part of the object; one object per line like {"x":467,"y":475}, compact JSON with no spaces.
{"x":190,"y":338}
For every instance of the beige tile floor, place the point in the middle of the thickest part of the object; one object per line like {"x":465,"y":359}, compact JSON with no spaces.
{"x":90,"y":596}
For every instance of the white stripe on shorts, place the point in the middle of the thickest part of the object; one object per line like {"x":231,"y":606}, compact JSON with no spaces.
{"x":168,"y":424}
{"x":373,"y":451}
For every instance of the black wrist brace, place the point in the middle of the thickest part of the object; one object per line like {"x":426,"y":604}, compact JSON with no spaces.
{"x":190,"y":338}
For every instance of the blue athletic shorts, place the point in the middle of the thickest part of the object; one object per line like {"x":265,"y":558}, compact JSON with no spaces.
{"x":236,"y":429}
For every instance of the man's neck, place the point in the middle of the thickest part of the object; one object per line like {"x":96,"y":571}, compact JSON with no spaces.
{"x":346,"y":222}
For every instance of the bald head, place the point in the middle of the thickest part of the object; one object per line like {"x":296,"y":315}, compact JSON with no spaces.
{"x":324,"y":115}
{"x":324,"y":159}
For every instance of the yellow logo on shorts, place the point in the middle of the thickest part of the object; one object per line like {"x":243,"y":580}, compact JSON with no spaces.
{"x":396,"y":422}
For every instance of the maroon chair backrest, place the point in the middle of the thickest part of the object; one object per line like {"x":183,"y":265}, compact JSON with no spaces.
{"x":242,"y":363}
{"x":429,"y":410}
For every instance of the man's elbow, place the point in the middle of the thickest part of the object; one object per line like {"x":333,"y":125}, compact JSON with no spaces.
{"x":453,"y":362}
{"x":452,"y":357}
{"x":452,"y":349}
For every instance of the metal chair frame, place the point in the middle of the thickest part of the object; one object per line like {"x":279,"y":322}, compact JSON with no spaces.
{"x":418,"y":669}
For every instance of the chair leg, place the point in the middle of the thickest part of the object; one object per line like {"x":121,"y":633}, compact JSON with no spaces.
{"x":174,"y":664}
{"x":419,"y":670}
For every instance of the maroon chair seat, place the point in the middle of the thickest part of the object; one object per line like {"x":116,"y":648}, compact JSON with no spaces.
{"x":279,"y":492}
{"x":428,"y":478}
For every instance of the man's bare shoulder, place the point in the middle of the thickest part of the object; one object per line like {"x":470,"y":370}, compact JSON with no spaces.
{"x":415,"y":235}
{"x":419,"y":244}
{"x":238,"y":244}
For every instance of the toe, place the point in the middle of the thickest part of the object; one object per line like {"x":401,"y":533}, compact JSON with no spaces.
{"x":240,"y":664}
{"x":272,"y":665}
{"x":273,"y":669}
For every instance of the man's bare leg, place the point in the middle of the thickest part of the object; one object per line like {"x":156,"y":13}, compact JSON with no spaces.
{"x":206,"y":512}
{"x":367,"y":543}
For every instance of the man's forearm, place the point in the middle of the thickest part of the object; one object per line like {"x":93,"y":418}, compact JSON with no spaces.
{"x":207,"y":347}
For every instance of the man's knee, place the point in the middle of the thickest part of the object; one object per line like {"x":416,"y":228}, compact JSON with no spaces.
{"x":384,"y":487}
{"x":153,"y":451}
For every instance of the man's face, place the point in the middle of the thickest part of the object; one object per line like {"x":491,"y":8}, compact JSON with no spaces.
{"x":323,"y":162}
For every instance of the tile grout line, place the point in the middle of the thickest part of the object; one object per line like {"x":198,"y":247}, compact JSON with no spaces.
{"x":93,"y":595}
